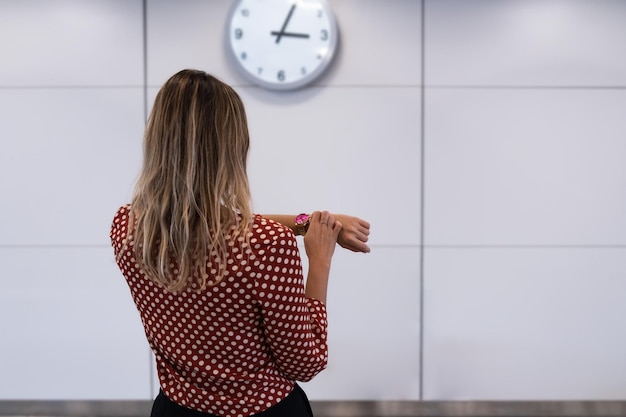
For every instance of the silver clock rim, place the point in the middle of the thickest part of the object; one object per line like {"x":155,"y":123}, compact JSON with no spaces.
{"x":284,"y":86}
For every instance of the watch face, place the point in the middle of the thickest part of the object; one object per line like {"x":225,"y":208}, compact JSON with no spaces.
{"x":302,"y":218}
{"x":282,"y":44}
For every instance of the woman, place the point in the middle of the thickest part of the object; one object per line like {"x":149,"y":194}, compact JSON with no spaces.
{"x":219,"y":289}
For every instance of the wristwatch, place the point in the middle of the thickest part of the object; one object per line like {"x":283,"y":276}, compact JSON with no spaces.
{"x":302,"y":224}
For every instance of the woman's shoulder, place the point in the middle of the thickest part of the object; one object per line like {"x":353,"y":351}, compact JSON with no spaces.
{"x":267,"y":232}
{"x":262,"y":224}
{"x":122,"y":214}
{"x":120,"y":221}
{"x":124,"y":209}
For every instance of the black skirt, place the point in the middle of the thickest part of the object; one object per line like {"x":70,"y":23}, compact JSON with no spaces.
{"x":296,"y":404}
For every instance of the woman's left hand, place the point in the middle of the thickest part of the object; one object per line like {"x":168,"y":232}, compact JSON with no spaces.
{"x":354,"y":233}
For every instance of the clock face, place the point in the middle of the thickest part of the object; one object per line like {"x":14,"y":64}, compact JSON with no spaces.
{"x":282,"y":44}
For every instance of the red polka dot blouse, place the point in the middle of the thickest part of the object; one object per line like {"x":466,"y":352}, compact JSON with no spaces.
{"x":236,"y":348}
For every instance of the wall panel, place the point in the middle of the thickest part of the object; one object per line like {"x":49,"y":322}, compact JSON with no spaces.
{"x":530,"y":167}
{"x":74,"y":155}
{"x":71,"y":43}
{"x":374,"y":315}
{"x":525,"y":43}
{"x":524,"y":324}
{"x":186,"y":34}
{"x":69,"y":328}
{"x":380,"y":43}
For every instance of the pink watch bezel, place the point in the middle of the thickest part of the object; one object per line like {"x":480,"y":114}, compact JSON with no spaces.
{"x":302,"y":218}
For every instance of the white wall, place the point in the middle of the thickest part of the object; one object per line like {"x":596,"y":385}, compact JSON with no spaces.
{"x":525,"y":195}
{"x":521,"y":264}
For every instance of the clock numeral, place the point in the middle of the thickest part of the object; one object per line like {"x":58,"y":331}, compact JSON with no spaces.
{"x":244,"y":56}
{"x":281,"y":75}
{"x":320,"y":13}
{"x":324,"y":35}
{"x":238,"y":33}
{"x":245,"y":12}
{"x":303,"y":70}
{"x":319,"y":56}
{"x":260,"y":70}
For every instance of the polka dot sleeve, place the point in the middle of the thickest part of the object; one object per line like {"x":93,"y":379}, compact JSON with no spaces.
{"x":295,"y":326}
{"x":119,"y":230}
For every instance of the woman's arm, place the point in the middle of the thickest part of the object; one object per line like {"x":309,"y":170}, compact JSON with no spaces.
{"x":319,"y":243}
{"x":288,"y":220}
{"x":301,"y":351}
{"x":353,"y":235}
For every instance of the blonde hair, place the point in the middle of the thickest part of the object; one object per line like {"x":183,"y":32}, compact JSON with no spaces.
{"x":192,"y":196}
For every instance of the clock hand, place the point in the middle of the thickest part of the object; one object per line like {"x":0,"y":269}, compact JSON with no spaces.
{"x":282,"y":30}
{"x":290,"y":34}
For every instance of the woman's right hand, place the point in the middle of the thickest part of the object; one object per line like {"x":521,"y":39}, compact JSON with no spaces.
{"x":321,"y":237}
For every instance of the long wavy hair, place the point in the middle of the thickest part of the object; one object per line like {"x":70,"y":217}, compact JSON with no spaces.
{"x":192,"y":196}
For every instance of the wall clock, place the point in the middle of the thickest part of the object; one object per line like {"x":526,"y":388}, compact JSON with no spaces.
{"x":282,"y":44}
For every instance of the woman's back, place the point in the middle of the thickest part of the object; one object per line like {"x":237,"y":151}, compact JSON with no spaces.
{"x":234,"y":348}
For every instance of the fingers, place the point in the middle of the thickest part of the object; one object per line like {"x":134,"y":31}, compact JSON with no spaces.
{"x":356,"y":246}
{"x":355,"y":233}
{"x":321,"y":237}
{"x":326,"y":219}
{"x":337,"y":226}
{"x":364,"y":230}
